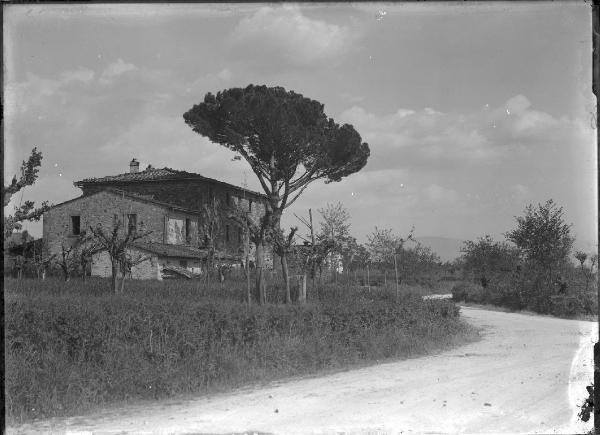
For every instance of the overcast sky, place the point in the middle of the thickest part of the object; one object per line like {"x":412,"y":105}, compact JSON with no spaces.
{"x":471,"y":111}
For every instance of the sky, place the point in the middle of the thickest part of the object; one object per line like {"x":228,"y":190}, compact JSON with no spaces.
{"x":471,"y":111}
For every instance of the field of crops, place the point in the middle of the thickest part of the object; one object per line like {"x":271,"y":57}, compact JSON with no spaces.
{"x":74,"y":346}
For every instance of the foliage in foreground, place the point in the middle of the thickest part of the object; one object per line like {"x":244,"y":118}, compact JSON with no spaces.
{"x":72,"y":346}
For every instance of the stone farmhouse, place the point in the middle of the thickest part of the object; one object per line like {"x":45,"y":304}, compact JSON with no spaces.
{"x":165,"y":202}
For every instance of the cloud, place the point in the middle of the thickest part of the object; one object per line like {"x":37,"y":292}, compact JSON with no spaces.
{"x":225,"y":74}
{"x":162,"y":140}
{"x":83,"y":75}
{"x":116,"y":69}
{"x":438,"y":194}
{"x":275,"y":36}
{"x":22,"y":96}
{"x":433,"y":139}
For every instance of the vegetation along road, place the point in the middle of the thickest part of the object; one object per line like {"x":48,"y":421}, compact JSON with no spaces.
{"x":527,"y":374}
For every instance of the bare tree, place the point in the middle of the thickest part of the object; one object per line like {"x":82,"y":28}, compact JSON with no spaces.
{"x":127,"y":261}
{"x":87,"y":247}
{"x":67,"y":261}
{"x":115,"y":243}
{"x":384,"y":247}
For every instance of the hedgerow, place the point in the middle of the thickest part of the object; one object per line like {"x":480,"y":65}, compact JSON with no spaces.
{"x":73,"y":346}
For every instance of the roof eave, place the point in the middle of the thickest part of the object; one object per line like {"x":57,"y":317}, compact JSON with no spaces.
{"x":82,"y":183}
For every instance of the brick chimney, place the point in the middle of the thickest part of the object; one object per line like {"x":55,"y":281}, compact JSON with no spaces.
{"x":134,"y":166}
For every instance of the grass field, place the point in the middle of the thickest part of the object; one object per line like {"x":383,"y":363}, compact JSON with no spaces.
{"x":70,"y":347}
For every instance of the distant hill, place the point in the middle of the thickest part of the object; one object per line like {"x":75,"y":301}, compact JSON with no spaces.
{"x":446,"y":248}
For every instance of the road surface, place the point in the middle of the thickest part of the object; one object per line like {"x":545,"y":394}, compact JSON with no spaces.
{"x":526,"y":375}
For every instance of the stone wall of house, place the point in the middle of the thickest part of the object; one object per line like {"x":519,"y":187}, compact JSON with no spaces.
{"x":194,"y":195}
{"x":104,"y":208}
{"x":148,"y":269}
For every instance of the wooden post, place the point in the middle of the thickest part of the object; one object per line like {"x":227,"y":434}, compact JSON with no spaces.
{"x":301,"y":289}
{"x":368,"y":280}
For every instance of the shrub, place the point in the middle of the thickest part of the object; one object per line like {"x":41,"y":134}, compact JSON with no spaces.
{"x":468,"y":292}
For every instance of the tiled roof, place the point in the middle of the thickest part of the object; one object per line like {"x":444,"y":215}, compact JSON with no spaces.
{"x":166,"y":250}
{"x":157,"y":174}
{"x":147,"y":175}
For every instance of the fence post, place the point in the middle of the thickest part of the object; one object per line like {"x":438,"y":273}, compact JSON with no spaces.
{"x":301,"y":288}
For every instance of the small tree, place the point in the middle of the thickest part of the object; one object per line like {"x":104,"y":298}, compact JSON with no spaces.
{"x":384,"y":248}
{"x":115,"y":243}
{"x":543,"y":238}
{"x":26,"y":211}
{"x":127,"y":261}
{"x":41,"y":262}
{"x":486,"y":258}
{"x":67,"y":261}
{"x":588,"y":273}
{"x":335,"y":226}
{"x":87,"y":247}
{"x":581,"y":257}
{"x":287,"y":140}
{"x":382,"y":244}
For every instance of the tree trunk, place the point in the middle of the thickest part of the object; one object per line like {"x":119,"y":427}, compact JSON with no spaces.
{"x":286,"y":278}
{"x":260,"y":290}
{"x":43,"y":274}
{"x":115,"y":273}
{"x":123,"y":276}
{"x":83,"y":275}
{"x":66,"y":273}
{"x":282,"y":250}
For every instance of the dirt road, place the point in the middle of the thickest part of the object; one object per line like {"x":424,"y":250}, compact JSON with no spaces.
{"x":526,"y":375}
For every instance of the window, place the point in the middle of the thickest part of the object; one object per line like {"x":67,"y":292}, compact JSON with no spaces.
{"x":75,"y":225}
{"x":227,"y":233}
{"x":249,"y":205}
{"x":131,"y":223}
{"x":188,"y":230}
